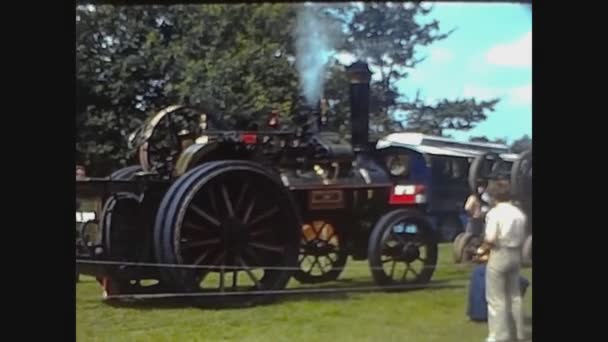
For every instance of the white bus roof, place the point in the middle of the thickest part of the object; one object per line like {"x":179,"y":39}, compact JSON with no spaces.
{"x":433,"y":145}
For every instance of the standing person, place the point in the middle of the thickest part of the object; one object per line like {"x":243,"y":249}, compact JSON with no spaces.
{"x":476,"y":206}
{"x":504,"y":237}
{"x":80,"y":173}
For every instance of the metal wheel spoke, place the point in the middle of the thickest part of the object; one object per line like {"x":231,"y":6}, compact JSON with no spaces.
{"x":248,"y":271}
{"x":254,"y":256}
{"x":191,"y":225}
{"x":201,"y":257}
{"x":332,"y":259}
{"x":265,"y":215}
{"x":316,"y":262}
{"x":218,"y":258}
{"x":399,"y":237}
{"x":415,"y":273}
{"x":323,"y":265}
{"x":188,"y":245}
{"x":227,"y":201}
{"x":248,"y":211}
{"x":386,"y":245}
{"x":222,"y":273}
{"x":239,"y":200}
{"x":212,"y":200}
{"x":260,"y":231}
{"x":418,"y":243}
{"x":393,"y":268}
{"x":319,"y":230}
{"x":332,"y":235}
{"x":306,"y":257}
{"x":387,"y":260}
{"x":204,"y":215}
{"x":405,"y":273}
{"x":266,"y":247}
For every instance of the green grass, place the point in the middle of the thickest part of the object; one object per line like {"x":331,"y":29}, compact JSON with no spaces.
{"x":432,"y":314}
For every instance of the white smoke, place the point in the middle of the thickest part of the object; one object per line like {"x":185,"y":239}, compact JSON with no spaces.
{"x":314,"y":46}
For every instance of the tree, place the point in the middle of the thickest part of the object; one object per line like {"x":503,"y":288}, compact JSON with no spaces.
{"x":447,"y":114}
{"x":522,"y":144}
{"x":484,"y":139}
{"x":134,"y":60}
{"x":387,"y":36}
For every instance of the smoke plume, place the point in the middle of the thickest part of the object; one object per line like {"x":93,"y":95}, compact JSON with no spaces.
{"x":314,"y":46}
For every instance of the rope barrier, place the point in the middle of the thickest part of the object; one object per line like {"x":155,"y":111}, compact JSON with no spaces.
{"x":451,"y":282}
{"x":226,"y":267}
{"x":282,"y":292}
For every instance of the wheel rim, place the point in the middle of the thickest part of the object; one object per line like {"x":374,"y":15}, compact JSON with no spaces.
{"x":319,"y":249}
{"x":482,"y":167}
{"x":233,"y":223}
{"x":521,"y":175}
{"x":470,"y":248}
{"x":120,"y":224}
{"x":405,"y":252}
{"x":162,"y":148}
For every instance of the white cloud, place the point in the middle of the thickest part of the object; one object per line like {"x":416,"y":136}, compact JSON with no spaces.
{"x":517,"y":53}
{"x":482,"y":93}
{"x":441,"y":55}
{"x":521,"y":95}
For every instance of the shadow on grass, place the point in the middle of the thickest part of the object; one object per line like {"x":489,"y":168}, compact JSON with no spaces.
{"x":335,"y":291}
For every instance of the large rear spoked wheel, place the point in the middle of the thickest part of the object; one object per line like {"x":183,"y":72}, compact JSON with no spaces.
{"x":236,"y":224}
{"x":126,"y":173}
{"x":402,"y":250}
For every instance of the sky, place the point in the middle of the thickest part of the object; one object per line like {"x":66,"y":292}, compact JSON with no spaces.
{"x":489,"y":55}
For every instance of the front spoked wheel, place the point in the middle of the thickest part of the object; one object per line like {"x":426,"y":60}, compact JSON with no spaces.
{"x":402,"y":249}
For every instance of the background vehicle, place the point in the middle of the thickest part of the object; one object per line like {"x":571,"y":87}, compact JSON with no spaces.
{"x":519,"y":172}
{"x":442,"y":166}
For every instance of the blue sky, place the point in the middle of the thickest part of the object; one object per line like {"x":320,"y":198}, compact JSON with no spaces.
{"x":489,"y":55}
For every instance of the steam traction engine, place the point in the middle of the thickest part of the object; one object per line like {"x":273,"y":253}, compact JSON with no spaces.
{"x":215,"y":211}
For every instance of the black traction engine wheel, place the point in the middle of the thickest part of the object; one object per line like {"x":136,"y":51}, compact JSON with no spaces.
{"x":322,"y":254}
{"x":234,"y":220}
{"x":402,"y":249}
{"x":521,"y":175}
{"x":126,"y":173}
{"x":468,"y":246}
{"x":124,"y":239}
{"x":457,"y":248}
{"x":482,"y":167}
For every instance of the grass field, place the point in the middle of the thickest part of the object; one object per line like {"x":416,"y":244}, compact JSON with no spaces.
{"x":432,"y":314}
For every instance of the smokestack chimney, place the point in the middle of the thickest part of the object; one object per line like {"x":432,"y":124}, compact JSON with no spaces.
{"x":359,"y":76}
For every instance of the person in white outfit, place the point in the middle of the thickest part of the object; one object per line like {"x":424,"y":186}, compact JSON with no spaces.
{"x":503,"y":240}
